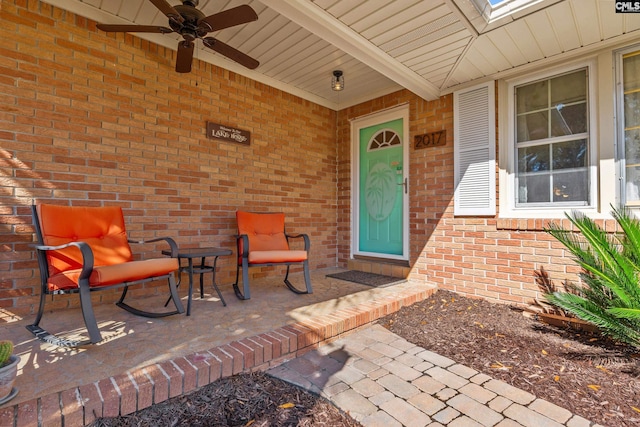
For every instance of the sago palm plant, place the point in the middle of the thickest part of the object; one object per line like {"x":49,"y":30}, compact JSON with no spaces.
{"x":609,"y":296}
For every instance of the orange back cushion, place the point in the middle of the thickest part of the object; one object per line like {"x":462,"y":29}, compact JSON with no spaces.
{"x":265,"y":231}
{"x":100,"y":227}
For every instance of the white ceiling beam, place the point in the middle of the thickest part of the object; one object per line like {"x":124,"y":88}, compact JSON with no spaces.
{"x":319,"y":22}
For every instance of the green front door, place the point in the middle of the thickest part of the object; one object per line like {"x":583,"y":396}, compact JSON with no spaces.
{"x":381,"y":189}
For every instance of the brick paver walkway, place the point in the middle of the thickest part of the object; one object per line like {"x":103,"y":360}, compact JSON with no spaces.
{"x":382,"y":380}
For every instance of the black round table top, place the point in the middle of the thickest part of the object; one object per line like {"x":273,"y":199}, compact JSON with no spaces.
{"x":199,"y":252}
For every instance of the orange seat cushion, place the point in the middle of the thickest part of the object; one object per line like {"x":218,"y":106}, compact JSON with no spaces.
{"x":114,"y":274}
{"x":267,"y":257}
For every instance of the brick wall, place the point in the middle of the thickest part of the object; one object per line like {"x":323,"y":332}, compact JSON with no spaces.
{"x":93,"y":119}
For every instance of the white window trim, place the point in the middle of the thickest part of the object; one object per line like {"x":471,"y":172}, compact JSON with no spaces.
{"x":508,"y":151}
{"x":500,"y":10}
{"x":619,"y":124}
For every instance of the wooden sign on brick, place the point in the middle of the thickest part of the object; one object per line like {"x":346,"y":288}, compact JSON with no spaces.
{"x":227,"y":133}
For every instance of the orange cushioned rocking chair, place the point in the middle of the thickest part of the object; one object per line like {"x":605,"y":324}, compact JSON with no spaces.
{"x":85,"y":249}
{"x":262,"y":241}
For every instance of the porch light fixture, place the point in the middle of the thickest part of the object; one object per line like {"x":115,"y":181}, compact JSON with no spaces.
{"x":337,"y":81}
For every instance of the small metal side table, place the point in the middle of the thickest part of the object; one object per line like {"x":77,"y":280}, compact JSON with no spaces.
{"x":191,"y":253}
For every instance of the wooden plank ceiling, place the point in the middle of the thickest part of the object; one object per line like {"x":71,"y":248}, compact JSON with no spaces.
{"x":429,"y":47}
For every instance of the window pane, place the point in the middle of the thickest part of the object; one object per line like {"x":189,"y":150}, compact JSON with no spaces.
{"x":533,"y":189}
{"x":631,"y":71}
{"x":571,"y":187}
{"x":570,"y":154}
{"x":631,"y":122}
{"x":569,"y":88}
{"x":632,"y":189}
{"x":632,"y":109}
{"x":533,"y":159}
{"x":632,"y":146}
{"x":568,"y":119}
{"x":533,"y":126}
{"x":532,"y":97}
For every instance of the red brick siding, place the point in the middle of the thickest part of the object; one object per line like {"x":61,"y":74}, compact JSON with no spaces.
{"x":94,"y":119}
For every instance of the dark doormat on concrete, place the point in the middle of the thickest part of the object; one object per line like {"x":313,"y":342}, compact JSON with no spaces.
{"x":369,"y":279}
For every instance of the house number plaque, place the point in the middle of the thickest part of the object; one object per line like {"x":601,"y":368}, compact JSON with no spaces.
{"x":433,"y":139}
{"x":227,"y":133}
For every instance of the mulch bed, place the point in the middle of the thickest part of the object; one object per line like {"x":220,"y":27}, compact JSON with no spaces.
{"x":582,"y":372}
{"x":254,"y":399}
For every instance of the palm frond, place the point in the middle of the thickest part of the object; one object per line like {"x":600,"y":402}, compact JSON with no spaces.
{"x":630,"y":241}
{"x":586,"y":310}
{"x":597,"y":253}
{"x":631,"y":231}
{"x":626,"y":313}
{"x":610,"y":263}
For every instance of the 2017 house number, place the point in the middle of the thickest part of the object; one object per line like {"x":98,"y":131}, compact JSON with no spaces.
{"x":433,"y":139}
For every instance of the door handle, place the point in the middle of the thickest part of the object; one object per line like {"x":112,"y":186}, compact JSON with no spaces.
{"x":404,"y":183}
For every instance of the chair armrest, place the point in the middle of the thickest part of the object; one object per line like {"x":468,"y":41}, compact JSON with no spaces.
{"x":85,"y":250}
{"x":169,"y":240}
{"x":245,"y":245}
{"x":307,"y":242}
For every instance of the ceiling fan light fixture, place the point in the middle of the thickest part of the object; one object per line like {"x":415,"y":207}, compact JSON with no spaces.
{"x":337,"y":81}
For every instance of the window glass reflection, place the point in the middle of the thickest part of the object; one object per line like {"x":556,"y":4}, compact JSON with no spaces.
{"x":533,"y":159}
{"x":570,"y":154}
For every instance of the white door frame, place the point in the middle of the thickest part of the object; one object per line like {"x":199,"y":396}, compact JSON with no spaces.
{"x":398,"y":112}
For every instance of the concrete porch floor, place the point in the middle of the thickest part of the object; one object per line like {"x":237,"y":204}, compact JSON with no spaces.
{"x":143,"y":361}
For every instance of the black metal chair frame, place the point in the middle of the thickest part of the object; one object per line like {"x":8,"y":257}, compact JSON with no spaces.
{"x":84,"y":289}
{"x":246,"y":294}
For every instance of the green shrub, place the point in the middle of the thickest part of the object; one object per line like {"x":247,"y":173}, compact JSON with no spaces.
{"x":609,"y":296}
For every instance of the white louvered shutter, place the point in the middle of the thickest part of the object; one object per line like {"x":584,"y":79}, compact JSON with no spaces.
{"x":474,"y":142}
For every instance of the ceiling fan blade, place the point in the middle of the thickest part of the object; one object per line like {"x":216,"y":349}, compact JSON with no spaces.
{"x":134,"y":28}
{"x":229,"y":18}
{"x":168,"y":10}
{"x":184,"y":57}
{"x":230,"y":52}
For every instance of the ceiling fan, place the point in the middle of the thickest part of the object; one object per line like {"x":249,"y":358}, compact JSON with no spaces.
{"x":192,"y":24}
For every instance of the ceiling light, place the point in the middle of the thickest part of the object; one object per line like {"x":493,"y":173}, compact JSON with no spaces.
{"x":337,"y":81}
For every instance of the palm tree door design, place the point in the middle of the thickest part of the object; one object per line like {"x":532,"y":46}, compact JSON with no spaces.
{"x":381,"y":186}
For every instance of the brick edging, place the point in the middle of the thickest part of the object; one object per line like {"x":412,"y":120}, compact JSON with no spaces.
{"x":129,"y":392}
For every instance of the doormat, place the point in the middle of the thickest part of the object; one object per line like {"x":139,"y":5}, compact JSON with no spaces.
{"x":369,"y":279}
